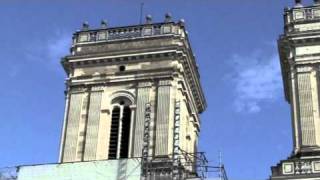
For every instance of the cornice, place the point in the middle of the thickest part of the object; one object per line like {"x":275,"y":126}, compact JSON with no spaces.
{"x":189,"y":69}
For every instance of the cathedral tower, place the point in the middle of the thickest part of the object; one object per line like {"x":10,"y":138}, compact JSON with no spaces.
{"x":299,"y":50}
{"x":132,"y":92}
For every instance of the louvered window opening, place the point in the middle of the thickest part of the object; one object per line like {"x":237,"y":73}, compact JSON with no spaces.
{"x":115,"y":132}
{"x":113,"y":143}
{"x":125,"y":133}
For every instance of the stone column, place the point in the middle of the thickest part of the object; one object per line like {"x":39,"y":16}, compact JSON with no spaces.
{"x":63,"y":134}
{"x":295,"y":110}
{"x":315,"y":100}
{"x":306,"y":108}
{"x":92,"y":128}
{"x":162,"y":120}
{"x":131,"y":139}
{"x":143,"y":95}
{"x":72,"y":128}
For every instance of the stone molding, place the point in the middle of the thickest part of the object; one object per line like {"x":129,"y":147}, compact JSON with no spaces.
{"x":123,"y":93}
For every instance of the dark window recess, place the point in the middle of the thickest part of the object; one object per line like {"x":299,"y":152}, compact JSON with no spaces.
{"x":114,"y":133}
{"x":125,"y":134}
{"x":122,"y":68}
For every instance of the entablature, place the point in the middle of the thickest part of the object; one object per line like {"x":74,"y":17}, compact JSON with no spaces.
{"x":302,"y":19}
{"x":132,"y":44}
{"x":71,"y":63}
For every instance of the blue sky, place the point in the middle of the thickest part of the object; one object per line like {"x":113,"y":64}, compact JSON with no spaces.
{"x":235,"y":44}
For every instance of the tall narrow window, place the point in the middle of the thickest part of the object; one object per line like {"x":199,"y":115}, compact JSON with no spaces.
{"x":119,"y":142}
{"x":114,"y":132}
{"x":125,"y":132}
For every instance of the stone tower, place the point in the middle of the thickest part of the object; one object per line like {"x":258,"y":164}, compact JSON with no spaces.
{"x":132,"y":91}
{"x":299,"y":49}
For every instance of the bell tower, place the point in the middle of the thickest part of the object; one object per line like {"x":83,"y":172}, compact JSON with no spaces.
{"x":132,"y":92}
{"x":299,"y":50}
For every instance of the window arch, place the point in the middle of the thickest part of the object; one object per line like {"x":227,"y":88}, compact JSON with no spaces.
{"x":121,"y":120}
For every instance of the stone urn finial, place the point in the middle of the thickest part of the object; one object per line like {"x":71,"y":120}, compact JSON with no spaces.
{"x":168,"y":17}
{"x":148,"y":19}
{"x":85,"y":25}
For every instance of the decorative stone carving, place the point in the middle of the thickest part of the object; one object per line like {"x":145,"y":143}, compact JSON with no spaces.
{"x":97,"y":88}
{"x":288,"y":168}
{"x":148,"y":19}
{"x":85,"y":26}
{"x":168,"y":17}
{"x":165,"y":83}
{"x":104,"y":24}
{"x":316,"y":166}
{"x":145,"y":84}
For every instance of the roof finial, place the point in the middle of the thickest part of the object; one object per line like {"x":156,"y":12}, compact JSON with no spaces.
{"x":298,"y":3}
{"x":85,"y":25}
{"x":181,"y":22}
{"x":104,"y":24}
{"x":168,"y":17}
{"x":148,"y":19}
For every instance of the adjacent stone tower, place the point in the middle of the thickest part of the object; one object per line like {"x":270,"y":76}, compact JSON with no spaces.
{"x":299,"y":50}
{"x":132,"y":91}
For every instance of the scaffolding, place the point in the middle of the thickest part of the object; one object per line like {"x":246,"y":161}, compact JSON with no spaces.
{"x":190,"y":166}
{"x":180,"y":165}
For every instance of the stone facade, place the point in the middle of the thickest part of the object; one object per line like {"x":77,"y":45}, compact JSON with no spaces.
{"x":299,"y":50}
{"x":113,"y":74}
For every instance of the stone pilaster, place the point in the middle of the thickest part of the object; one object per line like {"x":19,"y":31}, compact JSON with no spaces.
{"x":143,"y":93}
{"x":162,"y":120}
{"x":92,"y":130}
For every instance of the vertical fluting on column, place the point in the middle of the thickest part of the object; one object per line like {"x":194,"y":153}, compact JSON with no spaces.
{"x":131,"y":137}
{"x":82,"y":126}
{"x":315,"y":99}
{"x":295,"y":110}
{"x":92,"y":129}
{"x":69,"y":151}
{"x":306,"y":109}
{"x":143,"y":93}
{"x":162,"y":121}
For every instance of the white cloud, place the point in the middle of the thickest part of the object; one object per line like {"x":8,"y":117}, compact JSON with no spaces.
{"x":257,"y":79}
{"x":59,"y":46}
{"x":50,"y":51}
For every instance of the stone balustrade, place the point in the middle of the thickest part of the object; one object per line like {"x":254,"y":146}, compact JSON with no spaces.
{"x":301,"y":167}
{"x":302,"y":14}
{"x":129,"y":32}
{"x":296,"y":17}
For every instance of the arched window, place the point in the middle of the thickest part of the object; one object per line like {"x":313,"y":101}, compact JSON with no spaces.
{"x":119,"y":141}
